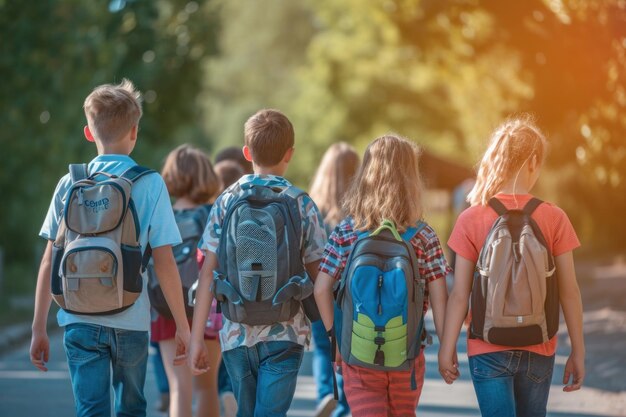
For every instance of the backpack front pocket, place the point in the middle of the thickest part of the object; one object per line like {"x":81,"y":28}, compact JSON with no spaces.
{"x":95,"y":209}
{"x":382,"y":346}
{"x":89,"y":271}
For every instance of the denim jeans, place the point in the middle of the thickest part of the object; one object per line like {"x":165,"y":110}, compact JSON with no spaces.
{"x":264,"y":377}
{"x":98,"y":356}
{"x":223,"y":380}
{"x":323,"y":370}
{"x":512,"y":383}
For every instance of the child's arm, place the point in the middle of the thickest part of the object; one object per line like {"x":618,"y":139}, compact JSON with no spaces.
{"x":40,"y":344}
{"x":569,"y":295}
{"x":438,"y":295}
{"x":456,"y":310}
{"x":169,"y":281}
{"x":199,"y":355}
{"x":324,"y":298}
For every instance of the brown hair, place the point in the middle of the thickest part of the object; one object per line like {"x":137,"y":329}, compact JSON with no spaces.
{"x":188,"y":172}
{"x":269,"y":135}
{"x":387,"y":186}
{"x":112,"y":110}
{"x":512,"y":144}
{"x":229,"y":171}
{"x":234,"y":153}
{"x":332,"y":179}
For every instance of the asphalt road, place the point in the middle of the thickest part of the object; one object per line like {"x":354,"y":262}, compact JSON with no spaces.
{"x":24,"y":391}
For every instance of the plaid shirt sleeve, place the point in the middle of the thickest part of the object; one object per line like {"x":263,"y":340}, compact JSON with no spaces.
{"x":431,"y":261}
{"x":337,"y":250}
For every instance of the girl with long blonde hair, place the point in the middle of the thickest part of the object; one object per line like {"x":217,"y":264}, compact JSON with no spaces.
{"x":386,"y":187}
{"x":332,"y":180}
{"x":512,"y":381}
{"x":328,"y":189}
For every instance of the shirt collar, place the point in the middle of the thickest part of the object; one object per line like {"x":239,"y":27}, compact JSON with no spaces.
{"x":113,"y":158}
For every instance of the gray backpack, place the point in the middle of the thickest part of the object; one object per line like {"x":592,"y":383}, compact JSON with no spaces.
{"x":515,"y":293}
{"x":97,"y":259}
{"x":191,"y":225}
{"x":261,"y":278}
{"x":379,"y":320}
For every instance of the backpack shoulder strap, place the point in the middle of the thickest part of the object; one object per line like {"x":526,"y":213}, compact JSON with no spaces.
{"x":201,"y":216}
{"x":497,"y":205}
{"x":293,"y":192}
{"x":531,"y":206}
{"x":78,"y":172}
{"x":133,"y":174}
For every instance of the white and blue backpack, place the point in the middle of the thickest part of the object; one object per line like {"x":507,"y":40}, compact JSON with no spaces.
{"x":379,"y":319}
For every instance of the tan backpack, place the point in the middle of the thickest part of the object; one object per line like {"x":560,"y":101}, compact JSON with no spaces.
{"x":97,"y":259}
{"x":515,"y":300}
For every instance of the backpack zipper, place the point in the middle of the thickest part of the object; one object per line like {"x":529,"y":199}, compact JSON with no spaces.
{"x":380,"y":294}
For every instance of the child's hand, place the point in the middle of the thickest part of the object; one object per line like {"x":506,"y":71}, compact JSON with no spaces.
{"x":574,"y":370}
{"x":40,"y":349}
{"x":182,"y":344}
{"x":338,"y":360}
{"x":198,"y":357}
{"x":449,"y":367}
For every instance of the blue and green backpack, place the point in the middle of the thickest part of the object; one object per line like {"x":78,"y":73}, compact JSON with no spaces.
{"x":379,"y":303}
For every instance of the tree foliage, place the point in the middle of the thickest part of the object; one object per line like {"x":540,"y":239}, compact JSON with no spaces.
{"x":51,"y":55}
{"x":444,"y":73}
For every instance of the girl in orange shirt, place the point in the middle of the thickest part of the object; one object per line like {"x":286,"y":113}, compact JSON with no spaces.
{"x":512,"y":381}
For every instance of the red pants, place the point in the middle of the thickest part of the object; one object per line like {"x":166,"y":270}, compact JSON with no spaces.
{"x":382,"y":393}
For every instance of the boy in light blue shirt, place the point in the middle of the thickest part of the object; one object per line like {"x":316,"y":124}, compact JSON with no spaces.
{"x":100,"y":345}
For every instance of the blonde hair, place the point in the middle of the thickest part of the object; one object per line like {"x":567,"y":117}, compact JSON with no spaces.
{"x":332,"y":179}
{"x":269,"y":135}
{"x":512,"y":144}
{"x":387,"y":186}
{"x":112,"y":110}
{"x":188,"y":172}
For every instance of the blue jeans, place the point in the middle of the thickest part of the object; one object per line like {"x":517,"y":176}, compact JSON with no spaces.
{"x":264,"y":377}
{"x":512,"y":383}
{"x":95,"y":354}
{"x":323,"y":370}
{"x":223,"y":380}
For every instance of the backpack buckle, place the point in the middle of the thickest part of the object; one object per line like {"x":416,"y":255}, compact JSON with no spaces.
{"x":379,"y":340}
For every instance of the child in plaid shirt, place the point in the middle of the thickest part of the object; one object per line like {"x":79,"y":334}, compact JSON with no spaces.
{"x":379,"y":192}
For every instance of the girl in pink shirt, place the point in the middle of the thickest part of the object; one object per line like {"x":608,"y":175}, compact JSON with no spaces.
{"x":512,"y":381}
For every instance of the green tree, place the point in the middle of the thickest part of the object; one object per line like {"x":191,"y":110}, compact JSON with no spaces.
{"x":443,"y":73}
{"x":51,"y":55}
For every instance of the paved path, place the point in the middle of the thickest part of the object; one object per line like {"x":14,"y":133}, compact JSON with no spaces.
{"x":24,"y":391}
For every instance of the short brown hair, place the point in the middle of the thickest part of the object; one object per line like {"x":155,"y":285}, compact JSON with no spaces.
{"x":112,"y":110}
{"x":269,"y":135}
{"x":188,"y":172}
{"x":228,"y":171}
